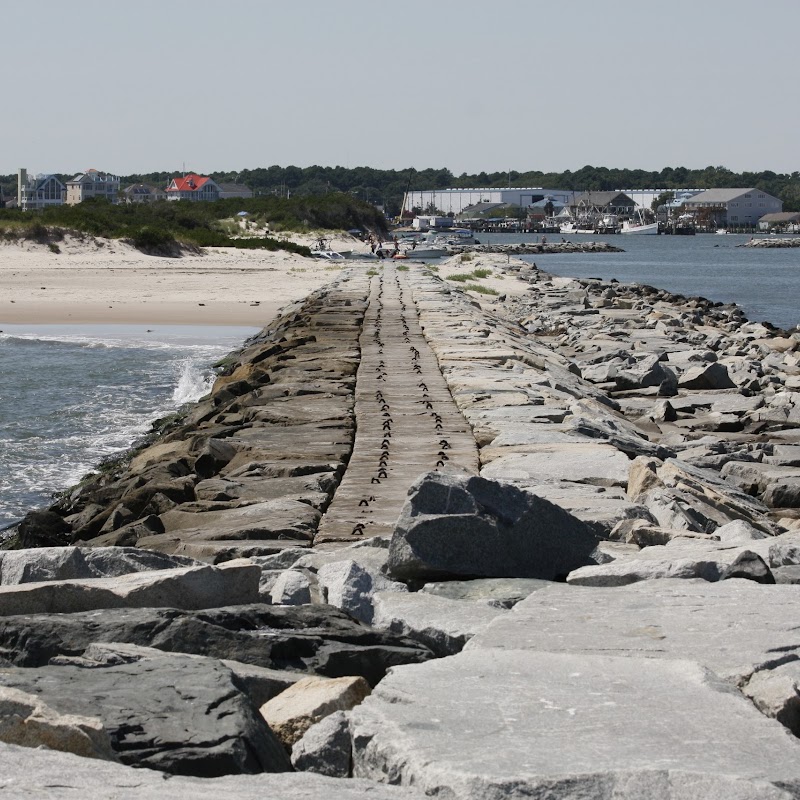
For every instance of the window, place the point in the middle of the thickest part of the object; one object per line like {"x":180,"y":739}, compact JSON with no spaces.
{"x":748,"y":195}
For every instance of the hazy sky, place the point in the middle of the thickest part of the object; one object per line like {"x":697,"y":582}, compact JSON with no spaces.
{"x":469,"y":85}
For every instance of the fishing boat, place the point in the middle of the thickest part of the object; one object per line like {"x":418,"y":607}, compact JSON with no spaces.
{"x":638,"y":226}
{"x":608,"y":224}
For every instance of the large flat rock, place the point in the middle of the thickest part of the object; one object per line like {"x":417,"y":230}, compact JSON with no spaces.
{"x":514,"y":723}
{"x":184,"y":587}
{"x":733,"y":627}
{"x":598,"y":464}
{"x":48,"y":775}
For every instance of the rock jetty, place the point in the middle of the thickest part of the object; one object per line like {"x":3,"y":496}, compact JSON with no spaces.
{"x":777,"y":242}
{"x":413,"y":544}
{"x":537,"y":248}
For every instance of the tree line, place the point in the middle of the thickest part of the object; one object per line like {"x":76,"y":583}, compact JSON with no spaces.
{"x":386,"y":187}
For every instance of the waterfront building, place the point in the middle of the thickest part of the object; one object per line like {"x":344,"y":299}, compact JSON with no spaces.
{"x":734,"y":207}
{"x":456,"y":201}
{"x":143,"y":193}
{"x":89,"y":184}
{"x":602,"y":202}
{"x":192,"y":187}
{"x":36,"y":192}
{"x":786,"y":221}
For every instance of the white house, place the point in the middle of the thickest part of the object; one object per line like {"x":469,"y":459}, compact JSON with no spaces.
{"x":39,"y":191}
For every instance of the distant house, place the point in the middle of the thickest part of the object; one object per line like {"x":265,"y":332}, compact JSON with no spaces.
{"x":734,"y":207}
{"x":603,"y":203}
{"x":142,"y":193}
{"x":89,"y":184}
{"x":238,"y":190}
{"x":781,"y":221}
{"x":192,"y":187}
{"x":39,"y":191}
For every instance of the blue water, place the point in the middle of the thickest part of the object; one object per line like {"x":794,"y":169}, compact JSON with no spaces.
{"x":765,"y":283}
{"x":71,"y":395}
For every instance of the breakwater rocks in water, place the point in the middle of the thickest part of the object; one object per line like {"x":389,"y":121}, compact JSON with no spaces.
{"x":570,"y":457}
{"x":771,"y":243}
{"x":537,"y":248}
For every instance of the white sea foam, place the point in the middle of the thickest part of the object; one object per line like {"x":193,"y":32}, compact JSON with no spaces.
{"x":193,"y":382}
{"x":71,"y":398}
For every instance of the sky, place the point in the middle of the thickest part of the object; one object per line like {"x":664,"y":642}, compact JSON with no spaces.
{"x":471,"y":86}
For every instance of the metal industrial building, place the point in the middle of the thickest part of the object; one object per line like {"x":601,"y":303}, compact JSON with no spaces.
{"x":447,"y":201}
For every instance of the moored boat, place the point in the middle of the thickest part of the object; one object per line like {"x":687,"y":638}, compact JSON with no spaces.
{"x":639,"y":226}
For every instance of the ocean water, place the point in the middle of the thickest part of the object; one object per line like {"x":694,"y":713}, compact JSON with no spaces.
{"x":765,"y":283}
{"x":72,"y":395}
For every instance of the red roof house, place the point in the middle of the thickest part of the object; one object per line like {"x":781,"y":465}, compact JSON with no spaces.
{"x":192,"y":187}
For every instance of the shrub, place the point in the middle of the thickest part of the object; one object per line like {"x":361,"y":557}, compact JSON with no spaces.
{"x":482,"y":272}
{"x":460,"y":277}
{"x":476,"y":287}
{"x":155,"y":242}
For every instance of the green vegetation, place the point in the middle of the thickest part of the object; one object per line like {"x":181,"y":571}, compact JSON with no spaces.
{"x":463,"y":277}
{"x":476,"y":287}
{"x":467,"y":256}
{"x":402,"y":268}
{"x":165,"y":227}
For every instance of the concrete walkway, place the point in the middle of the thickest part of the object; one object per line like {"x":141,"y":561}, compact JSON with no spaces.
{"x":406,"y":420}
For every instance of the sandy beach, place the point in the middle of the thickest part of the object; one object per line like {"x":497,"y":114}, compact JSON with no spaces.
{"x":108,"y":281}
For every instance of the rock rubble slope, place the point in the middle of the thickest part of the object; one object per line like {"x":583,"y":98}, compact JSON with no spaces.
{"x":552,"y":538}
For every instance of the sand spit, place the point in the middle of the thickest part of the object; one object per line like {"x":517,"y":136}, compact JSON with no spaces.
{"x":107,"y":281}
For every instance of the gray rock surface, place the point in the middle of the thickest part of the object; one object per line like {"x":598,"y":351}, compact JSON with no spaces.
{"x":292,"y":587}
{"x":164,"y":711}
{"x":49,"y":775}
{"x":443,"y":624}
{"x":183,"y":587}
{"x":67,"y":563}
{"x":733,"y":627}
{"x":454,"y":525}
{"x":514,"y":723}
{"x":314,"y":639}
{"x":498,"y":592}
{"x":352,"y":586}
{"x":698,"y":557}
{"x":325,"y":748}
